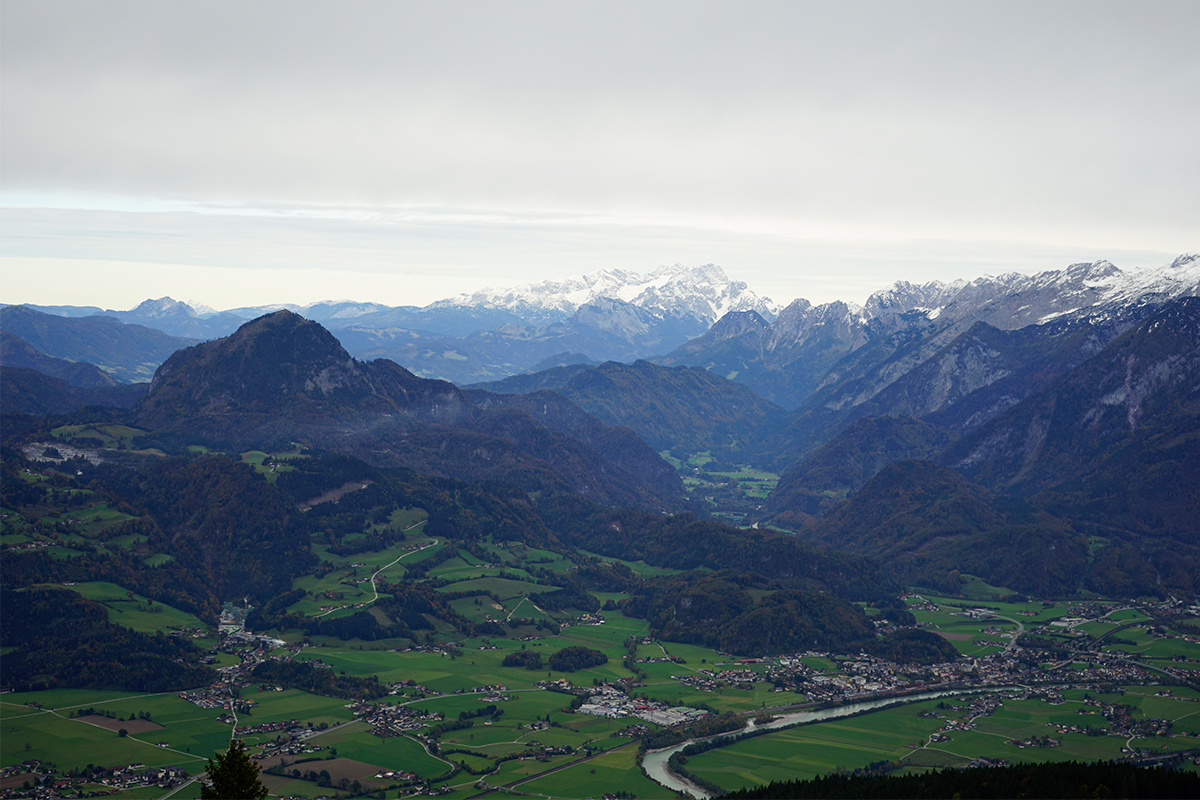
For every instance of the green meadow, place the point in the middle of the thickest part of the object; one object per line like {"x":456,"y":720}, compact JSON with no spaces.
{"x":811,"y":750}
{"x":71,"y":743}
{"x":135,"y":611}
{"x":109,"y":436}
{"x":614,"y":771}
{"x":269,"y":465}
{"x":640,"y":568}
{"x":448,"y":667}
{"x":900,"y":736}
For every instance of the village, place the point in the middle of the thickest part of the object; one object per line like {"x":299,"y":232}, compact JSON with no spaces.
{"x":1031,"y":661}
{"x":41,"y":784}
{"x":853,"y":678}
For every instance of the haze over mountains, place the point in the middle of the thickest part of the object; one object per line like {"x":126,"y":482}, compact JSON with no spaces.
{"x":669,"y":315}
{"x":935,"y":425}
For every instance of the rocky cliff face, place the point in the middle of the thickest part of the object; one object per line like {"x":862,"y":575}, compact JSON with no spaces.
{"x":784,"y":360}
{"x":955,"y":354}
{"x":1087,"y":478}
{"x":1147,"y":378}
{"x":277,"y":364}
{"x":930,"y":316}
{"x":1013,"y":301}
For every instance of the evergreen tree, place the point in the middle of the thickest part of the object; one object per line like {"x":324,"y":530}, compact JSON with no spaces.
{"x":233,"y":775}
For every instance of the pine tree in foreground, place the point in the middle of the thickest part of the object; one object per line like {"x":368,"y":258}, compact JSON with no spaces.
{"x":233,"y":776}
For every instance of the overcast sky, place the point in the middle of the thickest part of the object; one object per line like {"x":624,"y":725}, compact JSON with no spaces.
{"x":400,"y":152}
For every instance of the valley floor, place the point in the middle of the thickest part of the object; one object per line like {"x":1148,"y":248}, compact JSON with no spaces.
{"x":1097,"y":680}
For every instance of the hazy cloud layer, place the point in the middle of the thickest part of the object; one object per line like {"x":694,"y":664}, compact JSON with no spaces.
{"x":600,"y":134}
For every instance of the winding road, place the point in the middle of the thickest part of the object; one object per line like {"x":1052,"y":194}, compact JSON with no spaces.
{"x":375,"y":575}
{"x":1012,"y":643}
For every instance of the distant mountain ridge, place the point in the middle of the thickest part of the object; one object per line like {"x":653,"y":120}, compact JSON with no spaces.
{"x":610,"y":314}
{"x":703,"y":293}
{"x":682,"y":316}
{"x":16,"y":352}
{"x":178,"y":319}
{"x":1043,"y":296}
{"x":790,"y":358}
{"x":128,"y":352}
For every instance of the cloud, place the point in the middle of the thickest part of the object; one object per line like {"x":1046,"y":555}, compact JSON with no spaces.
{"x":227,"y":257}
{"x":1064,"y":124}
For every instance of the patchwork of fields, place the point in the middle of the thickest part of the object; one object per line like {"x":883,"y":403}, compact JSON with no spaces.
{"x":438,"y":710}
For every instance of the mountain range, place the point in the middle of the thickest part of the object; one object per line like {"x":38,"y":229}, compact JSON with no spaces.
{"x":608,"y":315}
{"x":990,"y":425}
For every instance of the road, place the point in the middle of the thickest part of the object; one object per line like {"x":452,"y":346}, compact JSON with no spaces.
{"x":550,"y":771}
{"x":375,"y":575}
{"x":1012,"y":643}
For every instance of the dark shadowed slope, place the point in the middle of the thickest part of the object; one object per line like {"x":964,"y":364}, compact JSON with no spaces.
{"x":843,"y":465}
{"x":281,"y":379}
{"x":927,"y":521}
{"x":16,"y":352}
{"x":27,"y":391}
{"x":684,"y":409}
{"x":129,"y":352}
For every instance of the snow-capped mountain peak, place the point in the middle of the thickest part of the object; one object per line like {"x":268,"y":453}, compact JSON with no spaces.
{"x":902,"y":297}
{"x":162,"y":307}
{"x":1180,"y":278}
{"x":1013,"y":300}
{"x":704,"y":293}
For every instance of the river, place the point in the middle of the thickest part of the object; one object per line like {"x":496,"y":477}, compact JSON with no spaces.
{"x":655,"y":761}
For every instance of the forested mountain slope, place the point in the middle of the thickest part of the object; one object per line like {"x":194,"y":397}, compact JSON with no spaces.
{"x":684,"y":409}
{"x":128,"y":352}
{"x":844,"y":464}
{"x":282,"y":378}
{"x":926,"y":521}
{"x":16,"y":352}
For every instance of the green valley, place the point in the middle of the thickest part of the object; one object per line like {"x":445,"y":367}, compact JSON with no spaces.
{"x":382,"y":668}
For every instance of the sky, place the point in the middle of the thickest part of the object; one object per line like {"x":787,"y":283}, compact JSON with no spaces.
{"x":242,"y":153}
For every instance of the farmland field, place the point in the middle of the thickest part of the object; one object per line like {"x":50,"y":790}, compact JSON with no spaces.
{"x":135,"y":611}
{"x":444,"y":710}
{"x":909,"y":741}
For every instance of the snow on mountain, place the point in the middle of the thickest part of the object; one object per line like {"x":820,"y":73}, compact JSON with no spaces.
{"x":178,"y":319}
{"x":1180,"y":278}
{"x":321,"y":311}
{"x":162,"y":307}
{"x":801,"y":320}
{"x":201,"y":309}
{"x":902,"y":297}
{"x":704,"y":293}
{"x":330,"y":310}
{"x":1012,"y":300}
{"x":254,"y":312}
